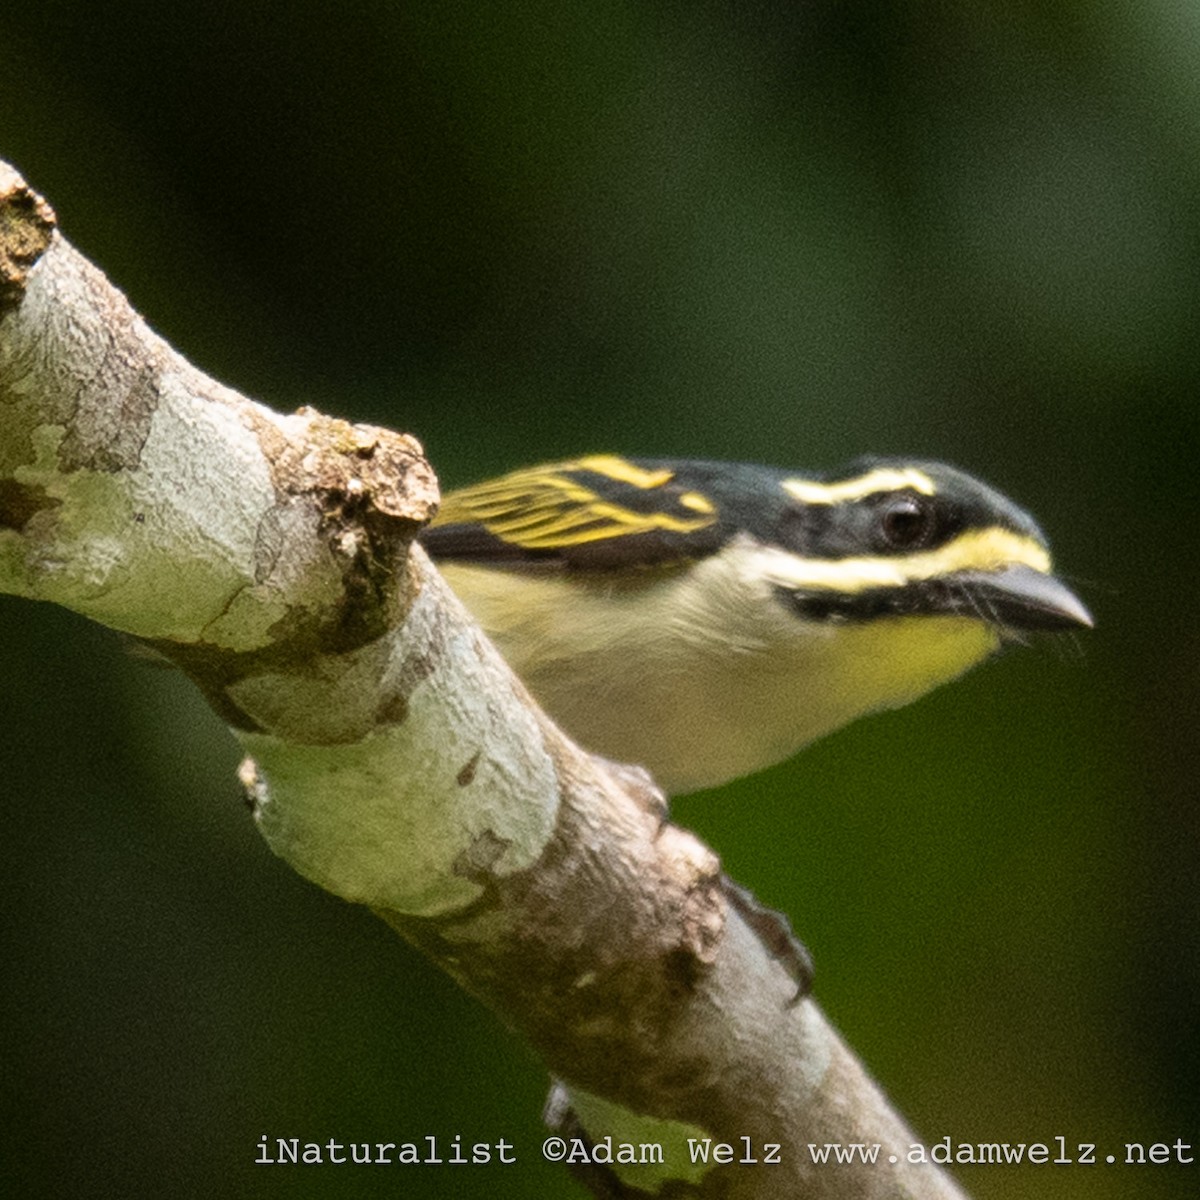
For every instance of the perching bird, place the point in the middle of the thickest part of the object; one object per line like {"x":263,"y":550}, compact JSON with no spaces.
{"x":705,"y":620}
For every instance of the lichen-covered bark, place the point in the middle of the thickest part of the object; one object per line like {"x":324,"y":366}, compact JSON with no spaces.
{"x":392,"y":757}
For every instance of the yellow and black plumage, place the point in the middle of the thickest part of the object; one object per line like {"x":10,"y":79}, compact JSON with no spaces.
{"x":705,"y":620}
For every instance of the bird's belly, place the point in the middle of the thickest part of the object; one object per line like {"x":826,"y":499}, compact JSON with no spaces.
{"x":697,"y":721}
{"x":651,"y":674}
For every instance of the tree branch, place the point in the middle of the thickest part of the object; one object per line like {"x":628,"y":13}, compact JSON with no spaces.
{"x":392,"y":757}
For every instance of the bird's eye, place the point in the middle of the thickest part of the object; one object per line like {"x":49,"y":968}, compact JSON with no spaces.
{"x":905,"y":522}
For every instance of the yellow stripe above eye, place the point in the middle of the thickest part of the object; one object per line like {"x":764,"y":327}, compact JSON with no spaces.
{"x":977,"y":550}
{"x":883,"y":479}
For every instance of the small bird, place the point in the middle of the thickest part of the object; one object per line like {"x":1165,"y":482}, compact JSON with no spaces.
{"x":705,"y":620}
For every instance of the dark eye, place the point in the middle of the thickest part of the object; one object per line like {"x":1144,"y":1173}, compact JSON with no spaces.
{"x":906,"y":522}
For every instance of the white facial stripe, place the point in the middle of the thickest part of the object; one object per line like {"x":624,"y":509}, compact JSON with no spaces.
{"x":979,"y":550}
{"x":885,"y":479}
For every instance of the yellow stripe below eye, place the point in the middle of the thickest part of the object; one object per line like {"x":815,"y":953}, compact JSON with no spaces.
{"x":978,"y":550}
{"x":884,"y":479}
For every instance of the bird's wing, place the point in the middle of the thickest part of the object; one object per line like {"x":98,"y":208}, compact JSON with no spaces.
{"x":600,"y":511}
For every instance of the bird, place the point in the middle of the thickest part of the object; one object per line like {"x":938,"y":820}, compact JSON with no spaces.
{"x":705,"y":620}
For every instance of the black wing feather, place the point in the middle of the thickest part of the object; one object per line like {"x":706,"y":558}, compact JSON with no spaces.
{"x":596,"y":512}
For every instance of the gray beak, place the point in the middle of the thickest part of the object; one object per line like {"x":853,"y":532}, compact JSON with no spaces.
{"x":1017,"y":597}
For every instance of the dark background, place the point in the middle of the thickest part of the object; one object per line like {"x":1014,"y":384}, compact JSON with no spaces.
{"x":772,"y":231}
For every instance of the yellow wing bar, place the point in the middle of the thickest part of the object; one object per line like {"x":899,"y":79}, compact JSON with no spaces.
{"x":578,"y":501}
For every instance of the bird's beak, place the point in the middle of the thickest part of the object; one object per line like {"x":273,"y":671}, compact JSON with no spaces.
{"x":1019,"y":597}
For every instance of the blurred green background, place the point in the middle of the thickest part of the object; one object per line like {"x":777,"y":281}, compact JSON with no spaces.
{"x":765,"y":230}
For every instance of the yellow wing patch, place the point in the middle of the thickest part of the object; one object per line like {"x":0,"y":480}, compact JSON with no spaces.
{"x":554,"y":506}
{"x":622,"y":470}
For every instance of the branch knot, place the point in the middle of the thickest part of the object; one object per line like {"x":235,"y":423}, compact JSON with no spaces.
{"x":27,"y":224}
